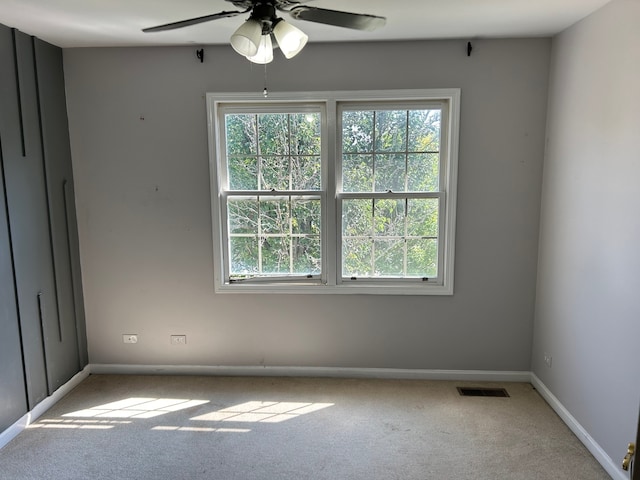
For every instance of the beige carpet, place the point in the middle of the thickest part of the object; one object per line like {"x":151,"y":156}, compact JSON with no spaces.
{"x":161,"y":427}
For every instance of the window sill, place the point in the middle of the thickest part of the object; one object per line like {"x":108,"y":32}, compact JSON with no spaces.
{"x":360,"y":289}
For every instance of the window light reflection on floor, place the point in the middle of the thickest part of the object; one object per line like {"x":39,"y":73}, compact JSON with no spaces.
{"x":137,"y":408}
{"x":76,"y":424}
{"x":263,"y":412}
{"x":109,"y":415}
{"x":249,"y":412}
{"x":168,"y":428}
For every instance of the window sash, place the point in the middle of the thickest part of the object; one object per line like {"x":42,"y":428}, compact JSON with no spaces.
{"x":259,"y":235}
{"x":376,"y":106}
{"x":226,"y":193}
{"x":401,"y":194}
{"x":438,"y":278}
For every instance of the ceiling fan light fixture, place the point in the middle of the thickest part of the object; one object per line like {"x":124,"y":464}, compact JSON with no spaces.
{"x":246,"y":39}
{"x":290,"y":39}
{"x":265,"y":51}
{"x":253,"y":39}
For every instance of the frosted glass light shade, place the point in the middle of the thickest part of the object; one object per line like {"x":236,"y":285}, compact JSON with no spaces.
{"x":290,"y":39}
{"x":265,"y":51}
{"x":246,"y":39}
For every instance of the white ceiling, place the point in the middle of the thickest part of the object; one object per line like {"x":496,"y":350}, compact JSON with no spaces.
{"x":101,"y":23}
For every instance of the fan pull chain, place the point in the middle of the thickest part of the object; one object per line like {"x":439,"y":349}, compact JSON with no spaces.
{"x":265,"y":92}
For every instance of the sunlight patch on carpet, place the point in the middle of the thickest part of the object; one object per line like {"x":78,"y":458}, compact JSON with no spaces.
{"x":168,"y":428}
{"x":263,"y":412}
{"x":135,"y":407}
{"x":60,"y":423}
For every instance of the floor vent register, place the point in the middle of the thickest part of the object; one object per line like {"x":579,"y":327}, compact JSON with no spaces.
{"x":482,"y":392}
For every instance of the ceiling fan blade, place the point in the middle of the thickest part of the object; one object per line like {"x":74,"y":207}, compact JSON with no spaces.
{"x":194,"y":21}
{"x":358,"y":21}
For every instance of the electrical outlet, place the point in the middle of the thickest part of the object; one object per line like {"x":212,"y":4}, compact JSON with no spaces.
{"x":129,"y":338}
{"x":178,"y":339}
{"x":547,"y":359}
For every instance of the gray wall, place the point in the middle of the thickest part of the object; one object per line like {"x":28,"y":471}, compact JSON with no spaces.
{"x":588,"y":302}
{"x":139,"y":145}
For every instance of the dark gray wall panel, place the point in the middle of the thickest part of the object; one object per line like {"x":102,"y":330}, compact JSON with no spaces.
{"x":63,"y":353}
{"x":13,"y":401}
{"x":29,"y":224}
{"x":42,"y":330}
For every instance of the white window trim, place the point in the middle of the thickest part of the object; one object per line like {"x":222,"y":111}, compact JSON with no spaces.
{"x":333,"y":283}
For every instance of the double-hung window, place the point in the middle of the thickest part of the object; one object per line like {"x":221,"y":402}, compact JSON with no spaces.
{"x":334,"y":192}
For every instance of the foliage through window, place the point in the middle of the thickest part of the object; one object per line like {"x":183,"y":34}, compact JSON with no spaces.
{"x":273,"y":198}
{"x":390,"y":192}
{"x":319,"y":193}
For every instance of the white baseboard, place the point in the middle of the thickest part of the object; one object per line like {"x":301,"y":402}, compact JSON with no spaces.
{"x":27,"y":419}
{"x":331,"y":372}
{"x":579,"y":431}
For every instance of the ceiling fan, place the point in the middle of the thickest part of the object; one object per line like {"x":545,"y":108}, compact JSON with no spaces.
{"x":253,"y":38}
